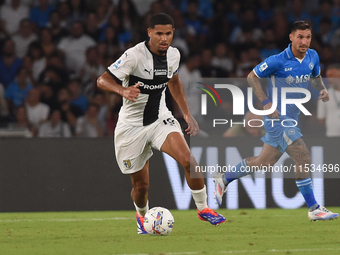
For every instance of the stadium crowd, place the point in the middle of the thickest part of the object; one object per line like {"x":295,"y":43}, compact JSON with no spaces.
{"x":52,"y":52}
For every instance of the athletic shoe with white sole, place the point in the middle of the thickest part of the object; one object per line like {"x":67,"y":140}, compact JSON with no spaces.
{"x":211,"y":216}
{"x":220,"y":188}
{"x":321,"y":213}
{"x":140,"y":224}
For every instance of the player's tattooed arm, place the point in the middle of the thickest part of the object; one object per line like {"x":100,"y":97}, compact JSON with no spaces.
{"x":318,"y":84}
{"x":255,"y":83}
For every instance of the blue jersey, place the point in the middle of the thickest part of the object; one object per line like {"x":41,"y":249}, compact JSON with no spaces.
{"x":285,"y":70}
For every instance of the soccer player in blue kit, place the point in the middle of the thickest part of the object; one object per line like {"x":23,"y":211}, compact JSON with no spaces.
{"x":295,"y":67}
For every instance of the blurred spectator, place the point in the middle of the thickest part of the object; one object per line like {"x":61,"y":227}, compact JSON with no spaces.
{"x":100,"y":99}
{"x":36,"y":52}
{"x":55,"y":28}
{"x":55,"y":127}
{"x":297,"y":12}
{"x":205,"y":8}
{"x":120,"y":36}
{"x":248,"y":33}
{"x":269,"y":47}
{"x":37,"y":112}
{"x":91,"y":26}
{"x":207,"y":69}
{"x":325,"y":35}
{"x":255,"y":128}
{"x":102,"y":53}
{"x":90,"y":71}
{"x":196,"y":30}
{"x":78,"y":11}
{"x":128,"y":15}
{"x":46,"y":40}
{"x":180,"y":32}
{"x":234,"y":16}
{"x":336,"y":8}
{"x":21,"y":122}
{"x":220,"y":24}
{"x":3,"y":105}
{"x":88,"y":125}
{"x":325,"y":9}
{"x":40,"y":14}
{"x":11,"y":14}
{"x":52,"y":77}
{"x":104,"y":11}
{"x":265,"y":13}
{"x":111,"y":41}
{"x":77,"y":98}
{"x":329,"y":113}
{"x":75,"y":46}
{"x":190,"y":77}
{"x":281,"y":30}
{"x":9,"y":62}
{"x":69,"y":113}
{"x":23,"y":39}
{"x":64,"y":11}
{"x":220,"y":60}
{"x":17,"y":91}
{"x":28,"y":65}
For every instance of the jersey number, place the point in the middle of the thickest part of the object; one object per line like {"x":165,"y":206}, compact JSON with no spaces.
{"x":169,"y":121}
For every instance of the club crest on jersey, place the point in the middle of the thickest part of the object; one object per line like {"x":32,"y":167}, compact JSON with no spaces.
{"x":127,"y":163}
{"x":263,"y":67}
{"x":311,"y":66}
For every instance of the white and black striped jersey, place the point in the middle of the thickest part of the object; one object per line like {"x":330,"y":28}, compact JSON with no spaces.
{"x":139,"y":64}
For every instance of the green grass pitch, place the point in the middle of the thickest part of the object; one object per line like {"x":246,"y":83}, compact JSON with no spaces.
{"x":246,"y":231}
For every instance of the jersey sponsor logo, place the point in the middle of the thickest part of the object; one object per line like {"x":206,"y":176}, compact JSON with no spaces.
{"x":263,"y":67}
{"x":117,"y":64}
{"x":298,"y":79}
{"x":152,"y":87}
{"x":311,"y":66}
{"x":302,"y":78}
{"x":127,"y":163}
{"x":160,"y":71}
{"x":288,"y":69}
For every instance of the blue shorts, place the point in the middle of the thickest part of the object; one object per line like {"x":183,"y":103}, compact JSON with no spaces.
{"x":281,"y":137}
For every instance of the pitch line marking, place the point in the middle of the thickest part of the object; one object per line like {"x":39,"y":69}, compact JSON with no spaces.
{"x":66,"y":219}
{"x":235,"y":252}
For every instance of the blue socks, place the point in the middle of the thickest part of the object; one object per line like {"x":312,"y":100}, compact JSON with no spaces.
{"x":306,"y":188}
{"x":237,"y":172}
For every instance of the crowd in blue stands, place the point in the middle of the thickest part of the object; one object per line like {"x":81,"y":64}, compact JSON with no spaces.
{"x":52,"y":51}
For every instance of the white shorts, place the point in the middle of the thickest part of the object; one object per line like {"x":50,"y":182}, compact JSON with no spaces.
{"x":133,"y":143}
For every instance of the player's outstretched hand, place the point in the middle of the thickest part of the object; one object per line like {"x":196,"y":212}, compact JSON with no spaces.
{"x":193,"y":127}
{"x":324,"y":96}
{"x":275,"y":114}
{"x":131,"y":93}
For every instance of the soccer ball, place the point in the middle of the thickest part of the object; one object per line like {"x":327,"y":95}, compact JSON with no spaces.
{"x":158,"y":221}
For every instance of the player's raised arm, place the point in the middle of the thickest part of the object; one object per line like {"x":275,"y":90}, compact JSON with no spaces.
{"x":177,"y":91}
{"x":255,"y":83}
{"x":108,"y":83}
{"x":318,"y":84}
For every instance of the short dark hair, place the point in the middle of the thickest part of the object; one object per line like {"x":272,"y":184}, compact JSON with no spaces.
{"x":160,"y":19}
{"x":300,"y":25}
